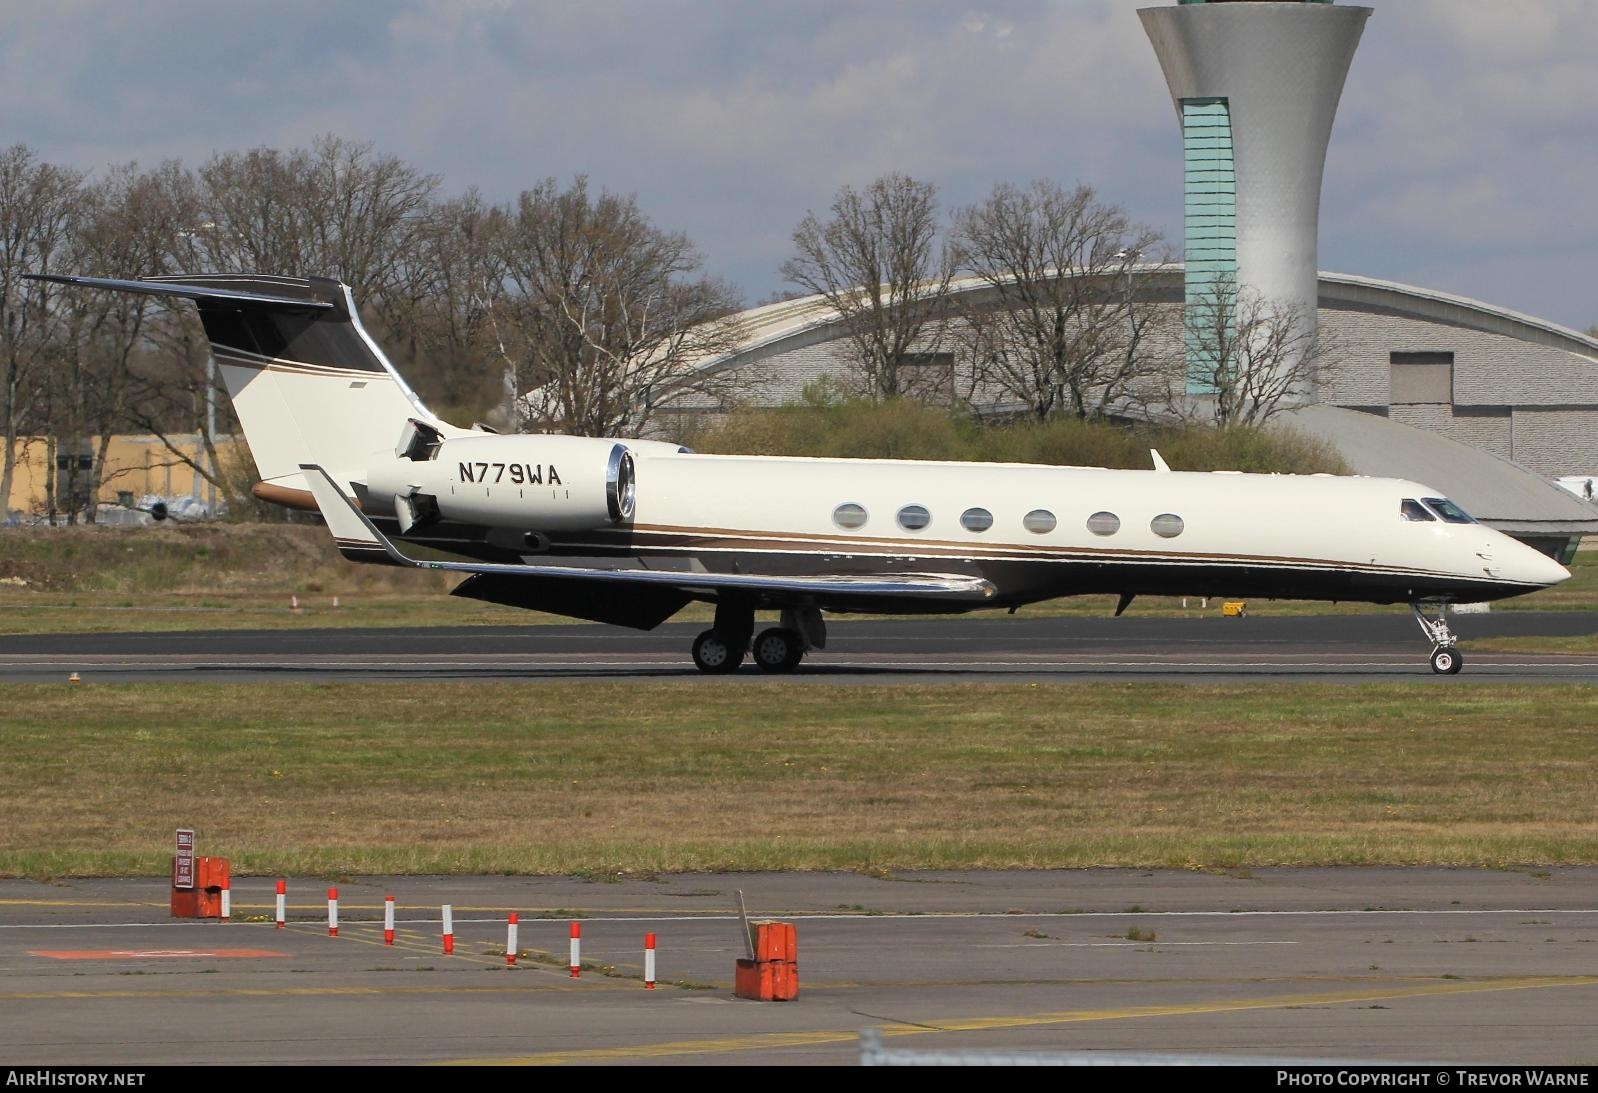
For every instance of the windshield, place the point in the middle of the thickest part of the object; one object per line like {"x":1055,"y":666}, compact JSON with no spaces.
{"x":1449,"y":511}
{"x":1412,"y":509}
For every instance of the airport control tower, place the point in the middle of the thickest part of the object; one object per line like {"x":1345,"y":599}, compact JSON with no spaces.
{"x":1255,"y":85}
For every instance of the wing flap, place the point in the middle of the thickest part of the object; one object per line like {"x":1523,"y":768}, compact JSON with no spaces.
{"x":359,"y":540}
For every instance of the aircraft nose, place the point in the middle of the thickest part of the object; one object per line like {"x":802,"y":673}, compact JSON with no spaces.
{"x":1528,"y":565}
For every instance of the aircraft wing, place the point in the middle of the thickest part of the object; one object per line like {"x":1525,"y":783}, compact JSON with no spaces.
{"x":359,"y":540}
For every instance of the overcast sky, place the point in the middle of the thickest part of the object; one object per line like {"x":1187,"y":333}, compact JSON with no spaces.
{"x":1464,"y":157}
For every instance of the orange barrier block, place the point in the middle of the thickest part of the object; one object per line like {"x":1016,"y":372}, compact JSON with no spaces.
{"x":773,"y":975}
{"x":204,"y":900}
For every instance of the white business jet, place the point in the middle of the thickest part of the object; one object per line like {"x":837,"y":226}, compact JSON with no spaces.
{"x":628,"y":531}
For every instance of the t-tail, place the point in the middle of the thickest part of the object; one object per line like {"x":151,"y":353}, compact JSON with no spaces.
{"x":308,"y":384}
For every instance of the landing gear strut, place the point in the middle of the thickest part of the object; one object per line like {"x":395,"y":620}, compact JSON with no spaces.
{"x":1446,"y":658}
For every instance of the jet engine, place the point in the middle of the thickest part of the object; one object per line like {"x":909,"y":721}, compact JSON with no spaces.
{"x":525,"y":482}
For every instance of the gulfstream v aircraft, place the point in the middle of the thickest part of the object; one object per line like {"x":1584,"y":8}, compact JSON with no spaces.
{"x":630,"y":531}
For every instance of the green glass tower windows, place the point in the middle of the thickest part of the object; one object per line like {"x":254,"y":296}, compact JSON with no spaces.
{"x":1210,"y":218}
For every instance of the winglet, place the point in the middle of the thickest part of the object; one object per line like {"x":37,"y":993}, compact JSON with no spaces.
{"x":1159,"y":460}
{"x":356,"y":537}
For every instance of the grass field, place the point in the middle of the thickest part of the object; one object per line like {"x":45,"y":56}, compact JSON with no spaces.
{"x":639,"y":778}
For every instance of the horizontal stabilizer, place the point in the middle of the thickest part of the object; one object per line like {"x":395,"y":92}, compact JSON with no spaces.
{"x":354,"y":532}
{"x":212,"y":291}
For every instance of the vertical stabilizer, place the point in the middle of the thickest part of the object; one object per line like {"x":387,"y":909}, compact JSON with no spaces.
{"x":308,"y":384}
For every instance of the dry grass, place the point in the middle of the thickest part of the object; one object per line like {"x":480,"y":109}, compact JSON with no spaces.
{"x":599,"y":778}
{"x":77,"y":613}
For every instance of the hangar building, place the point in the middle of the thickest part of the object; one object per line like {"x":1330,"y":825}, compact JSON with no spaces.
{"x":1482,"y":403}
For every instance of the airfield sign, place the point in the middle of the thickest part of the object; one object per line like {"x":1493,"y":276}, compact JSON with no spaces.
{"x":183,"y":862}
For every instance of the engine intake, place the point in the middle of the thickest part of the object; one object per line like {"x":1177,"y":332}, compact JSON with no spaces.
{"x":621,"y":488}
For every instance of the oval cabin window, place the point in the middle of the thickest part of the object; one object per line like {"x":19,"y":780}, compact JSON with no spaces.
{"x":849,"y":516}
{"x":1166,"y":525}
{"x":914,"y":517}
{"x":1104,"y":523}
{"x":1038,"y":521}
{"x":976,"y":519}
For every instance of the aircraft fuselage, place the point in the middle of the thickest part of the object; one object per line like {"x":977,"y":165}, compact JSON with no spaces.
{"x":1035,"y":532}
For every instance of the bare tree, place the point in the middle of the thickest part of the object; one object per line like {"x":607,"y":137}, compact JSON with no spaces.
{"x":128,"y":226}
{"x":1062,"y":328}
{"x":607,"y":319}
{"x":37,"y":205}
{"x":142,"y":363}
{"x":1248,"y":358}
{"x":336,"y":209}
{"x":877,"y":261}
{"x":442,"y":315}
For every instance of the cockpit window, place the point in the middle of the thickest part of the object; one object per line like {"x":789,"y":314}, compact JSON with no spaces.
{"x":1414,"y":510}
{"x":1449,"y":511}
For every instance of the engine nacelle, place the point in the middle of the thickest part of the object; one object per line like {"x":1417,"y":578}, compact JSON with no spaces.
{"x":525,"y":482}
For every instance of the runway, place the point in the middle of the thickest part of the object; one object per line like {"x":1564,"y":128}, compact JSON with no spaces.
{"x":1394,"y":965}
{"x":1345,"y":648}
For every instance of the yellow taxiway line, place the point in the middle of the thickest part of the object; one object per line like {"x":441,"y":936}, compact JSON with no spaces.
{"x":777,"y":1040}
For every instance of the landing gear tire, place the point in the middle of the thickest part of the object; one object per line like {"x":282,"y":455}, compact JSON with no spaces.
{"x":779,"y":650}
{"x":715,"y":655}
{"x":1446,"y":660}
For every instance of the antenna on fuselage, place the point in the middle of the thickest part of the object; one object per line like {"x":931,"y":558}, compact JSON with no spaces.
{"x":1159,"y":461}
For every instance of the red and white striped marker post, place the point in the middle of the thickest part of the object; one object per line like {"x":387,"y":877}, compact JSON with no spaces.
{"x":282,"y":903}
{"x":510,"y":941}
{"x":449,"y":929}
{"x":332,"y":912}
{"x":388,"y":920}
{"x":577,"y":945}
{"x":649,"y":962}
{"x":227,"y":900}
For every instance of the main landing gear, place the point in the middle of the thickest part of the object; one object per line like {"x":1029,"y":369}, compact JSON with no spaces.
{"x":1446,"y":657}
{"x":722,"y":648}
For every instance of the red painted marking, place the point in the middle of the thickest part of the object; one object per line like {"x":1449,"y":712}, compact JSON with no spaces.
{"x":153,"y":954}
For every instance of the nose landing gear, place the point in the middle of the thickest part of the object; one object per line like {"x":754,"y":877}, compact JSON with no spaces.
{"x":1446,"y":658}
